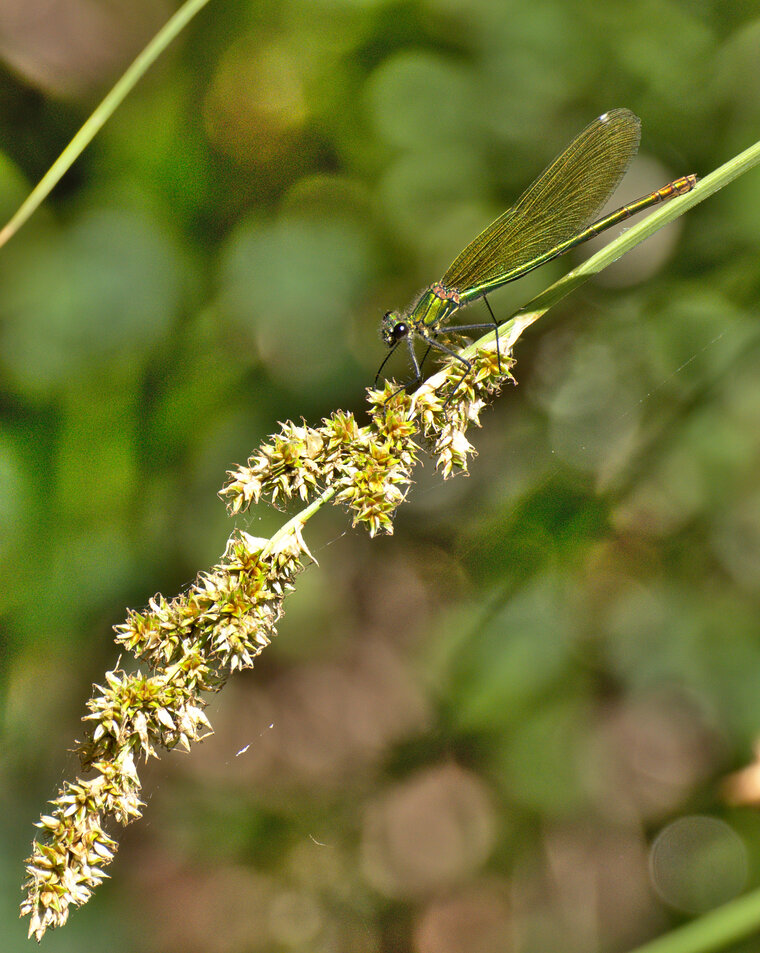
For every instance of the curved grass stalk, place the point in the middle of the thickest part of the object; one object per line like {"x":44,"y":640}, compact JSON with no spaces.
{"x":100,"y":116}
{"x":730,"y":923}
{"x":631,"y":237}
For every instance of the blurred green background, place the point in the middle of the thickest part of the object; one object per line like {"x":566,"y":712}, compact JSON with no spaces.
{"x":510,"y":726}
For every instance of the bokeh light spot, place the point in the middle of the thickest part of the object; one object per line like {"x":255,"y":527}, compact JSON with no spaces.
{"x":696,"y":863}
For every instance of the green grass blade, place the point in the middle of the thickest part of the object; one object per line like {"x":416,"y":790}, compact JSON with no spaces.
{"x":102,"y":114}
{"x":668,"y":212}
{"x":733,"y":921}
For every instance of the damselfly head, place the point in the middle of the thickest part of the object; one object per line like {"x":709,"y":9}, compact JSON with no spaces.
{"x":393,"y":329}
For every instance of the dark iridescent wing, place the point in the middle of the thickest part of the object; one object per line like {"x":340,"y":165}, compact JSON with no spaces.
{"x":562,"y":201}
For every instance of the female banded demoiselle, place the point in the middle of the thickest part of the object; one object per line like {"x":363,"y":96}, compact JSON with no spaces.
{"x":550,"y":217}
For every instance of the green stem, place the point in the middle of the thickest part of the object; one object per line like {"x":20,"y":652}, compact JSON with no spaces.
{"x":101,"y":115}
{"x":297,"y":523}
{"x":729,"y":923}
{"x":671,"y":210}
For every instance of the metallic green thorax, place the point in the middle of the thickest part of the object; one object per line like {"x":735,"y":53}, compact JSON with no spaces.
{"x":434,"y":306}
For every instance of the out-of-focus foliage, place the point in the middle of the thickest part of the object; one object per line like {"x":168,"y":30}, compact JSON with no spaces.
{"x":513,"y":719}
